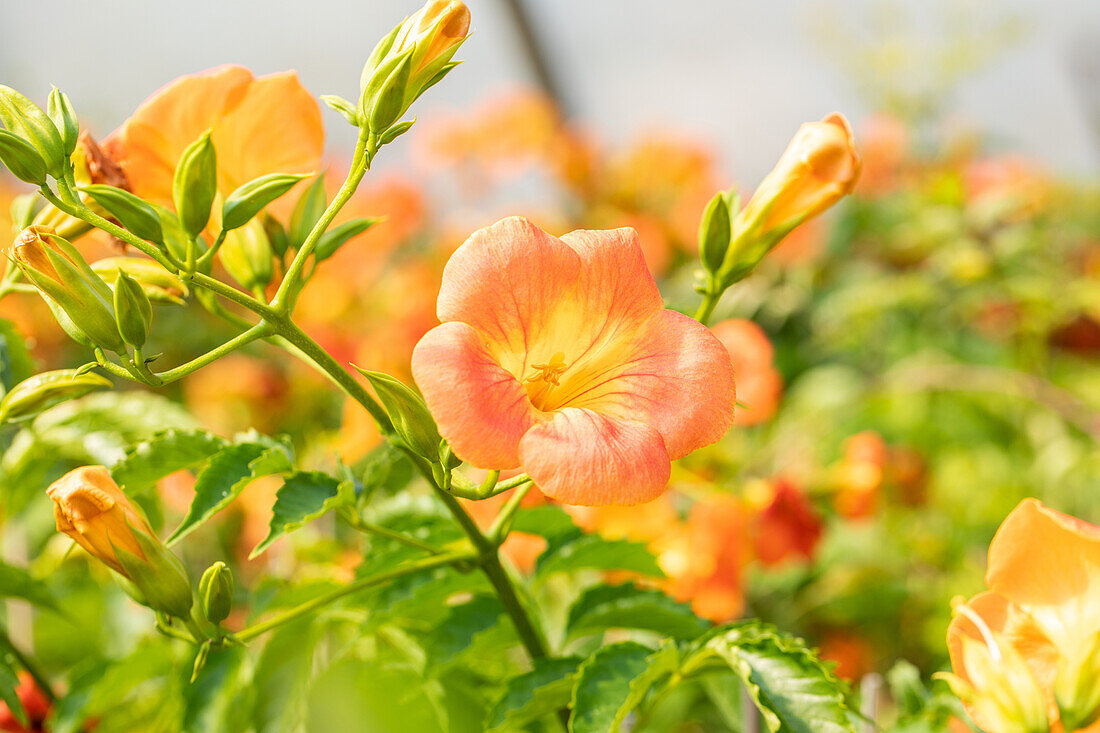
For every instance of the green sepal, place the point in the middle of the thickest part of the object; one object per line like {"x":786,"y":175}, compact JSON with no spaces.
{"x":61,"y":111}
{"x":344,"y":107}
{"x":387,"y":106}
{"x":133,"y":311}
{"x":307,"y":212}
{"x":380,"y":50}
{"x":160,"y":578}
{"x":132,"y":212}
{"x":22,"y":159}
{"x":414,"y":425}
{"x":248,"y":200}
{"x":195,"y":184}
{"x":395,"y":132}
{"x":331,"y":241}
{"x":27,"y":120}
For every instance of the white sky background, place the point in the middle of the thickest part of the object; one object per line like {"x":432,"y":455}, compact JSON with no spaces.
{"x":738,"y":75}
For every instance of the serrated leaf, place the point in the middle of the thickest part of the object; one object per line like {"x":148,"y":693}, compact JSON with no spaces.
{"x":9,"y":682}
{"x":592,"y":552}
{"x":18,"y":583}
{"x":612,"y":682}
{"x":626,"y":606}
{"x":304,"y":497}
{"x":794,"y":691}
{"x":536,"y":694}
{"x":149,"y":461}
{"x":460,"y":625}
{"x":225,"y":477}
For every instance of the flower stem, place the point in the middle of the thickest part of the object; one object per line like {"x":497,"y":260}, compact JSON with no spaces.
{"x":706,"y":308}
{"x":256,"y":332}
{"x":428,"y":563}
{"x":359,"y":524}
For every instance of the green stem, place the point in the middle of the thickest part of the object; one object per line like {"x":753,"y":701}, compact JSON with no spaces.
{"x":288,"y":290}
{"x":498,"y":531}
{"x":80,"y":211}
{"x":428,"y":563}
{"x":252,"y":334}
{"x":28,"y":664}
{"x":359,"y":524}
{"x":208,"y":255}
{"x":706,"y":308}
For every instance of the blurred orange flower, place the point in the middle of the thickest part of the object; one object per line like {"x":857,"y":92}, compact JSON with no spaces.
{"x":559,"y":356}
{"x":1035,"y":632}
{"x":759,"y":384}
{"x":884,"y":143}
{"x":784,"y":524}
{"x":35,"y":705}
{"x":267,"y":124}
{"x":860,"y":475}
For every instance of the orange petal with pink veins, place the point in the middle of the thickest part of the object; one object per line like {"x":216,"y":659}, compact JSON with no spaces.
{"x":582,"y":457}
{"x":1049,"y":564}
{"x":481,"y":409}
{"x":275,"y":128}
{"x":676,"y":377}
{"x":149,"y":144}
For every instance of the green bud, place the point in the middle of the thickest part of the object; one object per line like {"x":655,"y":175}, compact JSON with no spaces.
{"x":22,"y":159}
{"x":195,"y":184}
{"x":307,"y":212}
{"x":344,"y":107}
{"x":387,"y":106}
{"x":247,"y":256}
{"x":69,"y":285}
{"x":133,"y":312}
{"x":158,"y":580}
{"x":130,"y":211}
{"x":64,"y":119}
{"x":252,"y":197}
{"x":332,"y":240}
{"x":159,"y":285}
{"x":276,"y":234}
{"x":414,"y":425}
{"x":216,"y":592}
{"x":27,"y":120}
{"x":714,"y":233}
{"x":42,"y":391}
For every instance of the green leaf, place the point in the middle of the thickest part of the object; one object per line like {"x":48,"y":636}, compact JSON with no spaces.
{"x":332,"y":240}
{"x":9,"y":681}
{"x":17,"y":583}
{"x":626,"y":606}
{"x":304,"y":497}
{"x":308,"y":211}
{"x":794,"y":691}
{"x":149,"y":461}
{"x":132,"y":212}
{"x":614,"y":681}
{"x":15,"y":360}
{"x":249,"y":199}
{"x":343,"y":106}
{"x":592,"y":552}
{"x":547,"y":520}
{"x":533,"y":695}
{"x":462,"y":623}
{"x":225,"y":477}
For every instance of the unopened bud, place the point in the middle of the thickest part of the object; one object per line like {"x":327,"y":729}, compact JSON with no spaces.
{"x":26,"y":119}
{"x":91,"y":509}
{"x":133,"y":311}
{"x":42,"y":391}
{"x":247,"y":255}
{"x":714,"y":232}
{"x":411,"y":420}
{"x":22,"y":159}
{"x":160,"y":286}
{"x":195,"y":184}
{"x":64,"y":119}
{"x":216,"y":592}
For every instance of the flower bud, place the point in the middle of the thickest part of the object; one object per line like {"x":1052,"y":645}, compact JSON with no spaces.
{"x":247,"y":255}
{"x":818,"y":168}
{"x":64,"y":119}
{"x":714,"y":232}
{"x":160,"y":286}
{"x":92,"y":510}
{"x":133,"y":311}
{"x":42,"y":391}
{"x":216,"y":592}
{"x":413,"y":57}
{"x":27,"y":120}
{"x":411,"y":420}
{"x":80,"y":300}
{"x":195,"y":184}
{"x":20,"y":157}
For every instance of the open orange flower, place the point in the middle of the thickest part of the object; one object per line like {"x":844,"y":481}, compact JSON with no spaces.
{"x":261,"y":125}
{"x":1033,"y":640}
{"x":558,"y":356}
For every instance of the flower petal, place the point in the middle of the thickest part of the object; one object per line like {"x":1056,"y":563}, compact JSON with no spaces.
{"x":1049,"y":564}
{"x":275,"y":128}
{"x":676,"y":377}
{"x":480,"y":408}
{"x":510,"y":281}
{"x":149,"y":144}
{"x":582,"y":457}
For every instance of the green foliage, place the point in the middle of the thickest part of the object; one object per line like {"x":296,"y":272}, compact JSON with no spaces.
{"x":627,"y":606}
{"x":612,"y":682}
{"x":17,"y":583}
{"x":534,"y":695}
{"x":9,"y":681}
{"x":303,"y":498}
{"x":150,"y":460}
